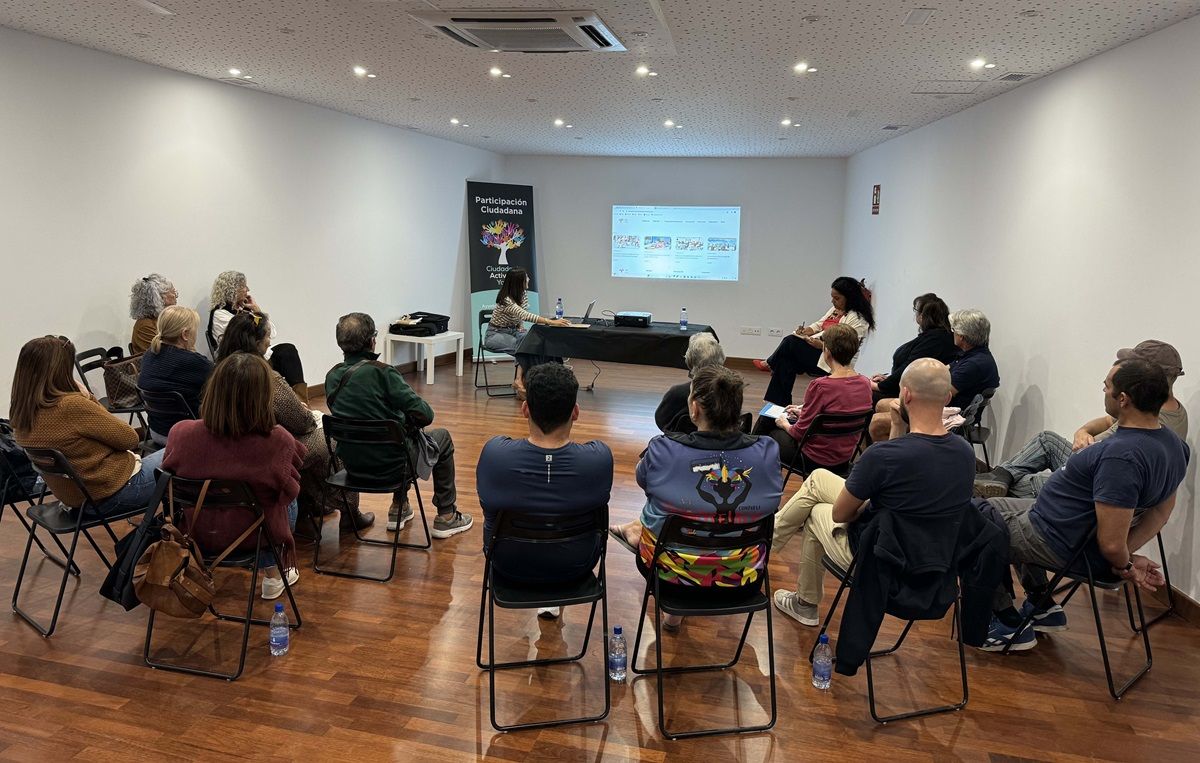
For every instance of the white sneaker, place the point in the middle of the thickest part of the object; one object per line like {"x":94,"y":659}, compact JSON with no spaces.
{"x":272,"y":588}
{"x":790,"y":604}
{"x":550,"y":613}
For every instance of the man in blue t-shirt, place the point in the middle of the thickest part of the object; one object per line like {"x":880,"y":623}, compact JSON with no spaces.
{"x":1123,"y":488}
{"x":546,"y":473}
{"x":927,"y":471}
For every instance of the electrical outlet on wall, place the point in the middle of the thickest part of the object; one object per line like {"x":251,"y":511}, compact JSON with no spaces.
{"x":752,"y":330}
{"x":774,"y":332}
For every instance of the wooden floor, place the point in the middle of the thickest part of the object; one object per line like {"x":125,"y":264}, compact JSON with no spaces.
{"x":384,"y":672}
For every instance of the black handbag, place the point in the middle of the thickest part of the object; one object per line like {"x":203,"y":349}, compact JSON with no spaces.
{"x":420,"y":323}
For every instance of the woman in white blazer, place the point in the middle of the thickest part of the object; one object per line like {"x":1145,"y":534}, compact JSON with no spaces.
{"x":800,"y":352}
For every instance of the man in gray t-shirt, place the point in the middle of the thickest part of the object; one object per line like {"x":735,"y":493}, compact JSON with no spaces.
{"x":1024,"y":475}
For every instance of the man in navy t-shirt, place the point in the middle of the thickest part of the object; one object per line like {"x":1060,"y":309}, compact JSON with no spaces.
{"x":975,"y":370}
{"x":1123,"y":488}
{"x":546,"y":473}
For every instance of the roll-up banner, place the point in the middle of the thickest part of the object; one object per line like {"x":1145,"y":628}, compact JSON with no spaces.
{"x":500,"y":231}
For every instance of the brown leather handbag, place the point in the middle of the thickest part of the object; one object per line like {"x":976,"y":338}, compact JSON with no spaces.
{"x":171,"y":576}
{"x":121,"y":380}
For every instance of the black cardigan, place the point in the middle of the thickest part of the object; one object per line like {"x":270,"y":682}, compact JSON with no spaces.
{"x":934,"y":343}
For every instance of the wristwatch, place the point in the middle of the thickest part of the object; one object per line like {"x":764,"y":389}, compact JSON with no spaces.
{"x":1128,"y":566}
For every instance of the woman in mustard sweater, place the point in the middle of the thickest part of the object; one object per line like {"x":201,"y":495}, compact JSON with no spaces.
{"x":49,"y":410}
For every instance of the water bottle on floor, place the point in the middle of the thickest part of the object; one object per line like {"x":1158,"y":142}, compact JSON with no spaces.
{"x":616,"y":655}
{"x":822,"y":663}
{"x":683,"y":319}
{"x":281,"y":634}
{"x":558,"y":309}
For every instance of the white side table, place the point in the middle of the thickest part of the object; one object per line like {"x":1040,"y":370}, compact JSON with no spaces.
{"x":425,"y":350}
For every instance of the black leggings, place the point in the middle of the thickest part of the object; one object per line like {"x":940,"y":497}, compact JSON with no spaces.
{"x":285,"y":359}
{"x":793,"y":356}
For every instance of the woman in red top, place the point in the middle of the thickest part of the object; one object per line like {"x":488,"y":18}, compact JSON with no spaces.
{"x":236,"y":438}
{"x":844,"y":390}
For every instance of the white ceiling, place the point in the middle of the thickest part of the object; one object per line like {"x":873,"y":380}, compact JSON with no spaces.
{"x":724,"y":66}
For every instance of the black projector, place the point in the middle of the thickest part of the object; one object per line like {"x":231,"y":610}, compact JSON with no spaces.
{"x":633,"y":319}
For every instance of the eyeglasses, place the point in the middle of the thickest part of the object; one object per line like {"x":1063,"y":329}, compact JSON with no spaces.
{"x":59,"y":337}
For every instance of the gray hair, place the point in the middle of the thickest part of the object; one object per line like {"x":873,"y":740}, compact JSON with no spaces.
{"x":225,"y":289}
{"x":145,"y":298}
{"x":703,"y":350}
{"x":355,"y":332}
{"x":971,"y":325}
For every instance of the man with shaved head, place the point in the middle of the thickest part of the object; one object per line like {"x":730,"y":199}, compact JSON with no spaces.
{"x":926,"y":469}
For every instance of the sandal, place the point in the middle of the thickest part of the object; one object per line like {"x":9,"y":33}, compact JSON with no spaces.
{"x":620,"y":538}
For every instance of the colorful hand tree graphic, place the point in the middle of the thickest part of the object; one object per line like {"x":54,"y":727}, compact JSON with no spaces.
{"x":502,"y":235}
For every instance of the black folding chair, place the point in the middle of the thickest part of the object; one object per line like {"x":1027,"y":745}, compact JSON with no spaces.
{"x":972,"y":429}
{"x":382,"y":435}
{"x":179,"y":494}
{"x":1071,"y":571}
{"x":170,"y":404}
{"x":844,"y":575}
{"x":12,"y":491}
{"x":481,"y":361}
{"x":829,"y":425}
{"x":57,"y":519}
{"x":690,"y":535}
{"x":95,"y":358}
{"x":531,"y":534}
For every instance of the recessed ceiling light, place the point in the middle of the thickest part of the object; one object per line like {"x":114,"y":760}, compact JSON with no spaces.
{"x":495,"y":71}
{"x":506,"y":76}
{"x":811,"y":70}
{"x":568,"y":126}
{"x":466,"y":125}
{"x":370,"y":76}
{"x":989,"y":66}
{"x":652,"y":74}
{"x":558,"y":123}
{"x":495,"y":50}
{"x":678,"y":127}
{"x":978,"y":63}
{"x":454,"y":120}
{"x":801,"y":67}
{"x":786,"y":122}
{"x":155,"y":8}
{"x":246,"y":76}
{"x":235,"y":72}
{"x":669,"y":123}
{"x":642,"y":71}
{"x":360,"y":71}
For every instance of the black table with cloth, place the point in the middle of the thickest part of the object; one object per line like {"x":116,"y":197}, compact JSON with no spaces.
{"x":660,"y":344}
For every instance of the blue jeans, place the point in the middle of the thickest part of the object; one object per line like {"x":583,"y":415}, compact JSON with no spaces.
{"x":137,"y":491}
{"x":265,"y":560}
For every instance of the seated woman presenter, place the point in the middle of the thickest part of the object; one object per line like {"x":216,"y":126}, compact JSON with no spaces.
{"x":251,"y":332}
{"x":173,"y":365}
{"x":230,"y":296}
{"x":934,"y":340}
{"x":844,"y":390}
{"x":507,"y":327}
{"x":800,"y":352}
{"x":148,"y":297}
{"x":49,"y":409}
{"x":236,"y":438}
{"x":739,"y":484}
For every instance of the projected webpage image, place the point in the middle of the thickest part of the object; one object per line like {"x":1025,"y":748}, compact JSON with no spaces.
{"x":677,"y":243}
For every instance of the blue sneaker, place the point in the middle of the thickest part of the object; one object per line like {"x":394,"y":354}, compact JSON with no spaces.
{"x":1000,"y":634}
{"x":1046,"y":620}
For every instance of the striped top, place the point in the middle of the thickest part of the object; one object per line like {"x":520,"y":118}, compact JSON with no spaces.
{"x":509,"y":315}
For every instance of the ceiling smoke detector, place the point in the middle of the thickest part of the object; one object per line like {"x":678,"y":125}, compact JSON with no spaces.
{"x":524,"y":31}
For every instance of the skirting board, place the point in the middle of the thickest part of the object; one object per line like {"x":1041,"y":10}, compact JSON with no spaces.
{"x":446,"y":358}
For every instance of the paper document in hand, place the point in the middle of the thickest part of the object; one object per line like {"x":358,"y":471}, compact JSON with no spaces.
{"x":772,"y":411}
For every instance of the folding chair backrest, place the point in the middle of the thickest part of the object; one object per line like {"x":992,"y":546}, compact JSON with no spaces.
{"x":485,"y":317}
{"x":52,"y":463}
{"x":379,"y":433}
{"x":679,"y":534}
{"x":170,"y":404}
{"x":93,"y":359}
{"x":514,"y":527}
{"x":837,"y":425}
{"x":974,"y":412}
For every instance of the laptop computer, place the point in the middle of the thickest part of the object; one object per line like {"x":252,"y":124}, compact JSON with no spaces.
{"x":584,"y":321}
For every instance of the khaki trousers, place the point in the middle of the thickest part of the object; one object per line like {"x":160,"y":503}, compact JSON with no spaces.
{"x":810,"y":511}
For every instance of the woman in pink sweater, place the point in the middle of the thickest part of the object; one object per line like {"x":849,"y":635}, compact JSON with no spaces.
{"x":236,"y":438}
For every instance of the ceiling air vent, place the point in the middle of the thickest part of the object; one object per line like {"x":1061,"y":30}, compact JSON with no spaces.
{"x":525,"y":31}
{"x":1014,"y":77}
{"x":895,"y":128}
{"x":239,"y":81}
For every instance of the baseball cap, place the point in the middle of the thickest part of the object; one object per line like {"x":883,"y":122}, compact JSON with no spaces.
{"x":1157,"y":352}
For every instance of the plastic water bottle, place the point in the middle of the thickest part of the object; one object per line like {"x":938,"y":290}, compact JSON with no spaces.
{"x":558,"y":309}
{"x":822,"y":663}
{"x":616,"y":656}
{"x":281,"y":634}
{"x":683,"y":319}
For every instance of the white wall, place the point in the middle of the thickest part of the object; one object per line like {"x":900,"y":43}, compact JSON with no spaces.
{"x":110,"y":169}
{"x":790,"y":250}
{"x":1066,"y":211}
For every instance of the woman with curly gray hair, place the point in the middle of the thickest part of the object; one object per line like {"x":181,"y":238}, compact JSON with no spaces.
{"x":231,"y":295}
{"x":147,"y":299}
